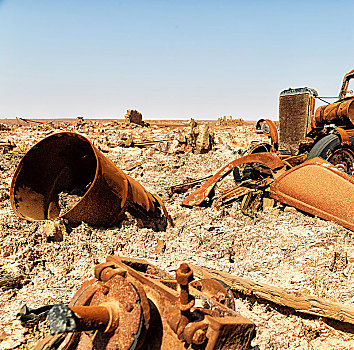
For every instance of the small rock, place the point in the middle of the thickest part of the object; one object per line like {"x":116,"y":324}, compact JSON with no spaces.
{"x":55,"y":230}
{"x":160,"y":246}
{"x":288,"y":209}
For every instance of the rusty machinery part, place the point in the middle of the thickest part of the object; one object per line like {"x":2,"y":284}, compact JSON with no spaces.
{"x":29,"y":316}
{"x":134,"y":305}
{"x":340,"y":113}
{"x":181,"y":188}
{"x":319,"y":188}
{"x":233,"y":194}
{"x":247,"y":171}
{"x":296,"y":108}
{"x":345,"y":84}
{"x":344,"y":136}
{"x":330,"y":148}
{"x":216,"y":290}
{"x":243,"y":190}
{"x":32,"y":121}
{"x":66,"y":162}
{"x":270,"y":160}
{"x":268,"y":128}
{"x":251,"y":203}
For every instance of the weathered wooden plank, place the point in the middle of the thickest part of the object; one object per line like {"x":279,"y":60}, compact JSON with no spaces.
{"x":301,"y":302}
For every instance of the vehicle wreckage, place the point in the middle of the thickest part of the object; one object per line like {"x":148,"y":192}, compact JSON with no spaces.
{"x":309,"y":165}
{"x":131,"y":304}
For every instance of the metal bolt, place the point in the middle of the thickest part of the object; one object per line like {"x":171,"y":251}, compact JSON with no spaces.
{"x":199,"y":337}
{"x":129,"y":307}
{"x":105,"y":289}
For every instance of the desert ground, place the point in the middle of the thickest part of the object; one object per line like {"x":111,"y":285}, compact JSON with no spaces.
{"x":280,"y":246}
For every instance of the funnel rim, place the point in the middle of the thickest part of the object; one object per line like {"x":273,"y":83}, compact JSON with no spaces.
{"x":28,"y":153}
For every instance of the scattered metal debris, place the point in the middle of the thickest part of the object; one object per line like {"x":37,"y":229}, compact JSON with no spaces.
{"x":270,"y":160}
{"x":132,"y":304}
{"x":319,"y":188}
{"x":185,"y":186}
{"x":7,"y":146}
{"x":316,"y":186}
{"x":66,"y":161}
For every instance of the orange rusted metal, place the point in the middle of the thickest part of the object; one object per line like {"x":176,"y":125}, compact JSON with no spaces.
{"x":271,"y":160}
{"x":142,"y":307}
{"x":268,"y":128}
{"x":318,"y":188}
{"x":340,"y":113}
{"x":68,"y":161}
{"x":345,"y":84}
{"x":343,"y":135}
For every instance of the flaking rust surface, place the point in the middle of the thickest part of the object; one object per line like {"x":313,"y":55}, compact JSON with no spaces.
{"x":284,"y":248}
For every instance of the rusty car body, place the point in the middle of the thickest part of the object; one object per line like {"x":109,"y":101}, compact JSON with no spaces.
{"x":309,"y":163}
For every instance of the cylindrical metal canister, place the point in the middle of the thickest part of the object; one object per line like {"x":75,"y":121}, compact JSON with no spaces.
{"x":68,"y":161}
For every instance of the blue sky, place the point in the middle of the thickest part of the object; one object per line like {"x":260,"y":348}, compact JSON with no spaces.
{"x":168,"y":59}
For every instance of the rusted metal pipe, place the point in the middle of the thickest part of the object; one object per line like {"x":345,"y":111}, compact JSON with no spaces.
{"x":184,"y":275}
{"x":68,"y":161}
{"x":63,"y":318}
{"x":338,"y":113}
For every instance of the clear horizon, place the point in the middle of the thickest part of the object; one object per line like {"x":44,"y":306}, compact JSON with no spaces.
{"x":166,"y":59}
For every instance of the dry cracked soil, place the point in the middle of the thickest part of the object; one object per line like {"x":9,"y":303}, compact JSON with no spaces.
{"x":280,"y":246}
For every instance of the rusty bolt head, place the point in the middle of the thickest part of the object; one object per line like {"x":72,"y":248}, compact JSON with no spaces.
{"x":101,"y":267}
{"x":129,"y":307}
{"x":184,"y":274}
{"x":105,"y":289}
{"x":199,"y":337}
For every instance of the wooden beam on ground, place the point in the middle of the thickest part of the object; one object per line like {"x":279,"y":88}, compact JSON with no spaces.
{"x":301,"y":302}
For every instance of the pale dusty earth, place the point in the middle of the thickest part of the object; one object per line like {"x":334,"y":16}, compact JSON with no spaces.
{"x":281,"y":247}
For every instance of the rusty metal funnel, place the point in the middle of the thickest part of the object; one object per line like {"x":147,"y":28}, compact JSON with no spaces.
{"x":67,"y":161}
{"x":319,"y":188}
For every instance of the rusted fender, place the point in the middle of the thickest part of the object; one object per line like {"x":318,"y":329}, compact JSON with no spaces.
{"x":270,"y":160}
{"x":319,"y":188}
{"x":268,"y":127}
{"x":65,"y":161}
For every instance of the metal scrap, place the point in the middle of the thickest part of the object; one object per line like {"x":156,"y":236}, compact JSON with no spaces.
{"x":318,"y":188}
{"x":322,"y":187}
{"x":67,"y":161}
{"x":271,"y":160}
{"x":131,"y":304}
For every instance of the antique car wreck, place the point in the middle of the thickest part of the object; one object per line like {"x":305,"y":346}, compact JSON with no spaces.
{"x":309,"y":164}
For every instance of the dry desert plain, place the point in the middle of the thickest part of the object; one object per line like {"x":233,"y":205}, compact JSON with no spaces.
{"x":280,"y":246}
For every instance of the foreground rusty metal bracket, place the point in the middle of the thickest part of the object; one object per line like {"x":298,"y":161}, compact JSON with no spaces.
{"x":318,"y":188}
{"x":67,"y":161}
{"x":271,"y":160}
{"x":132,"y":304}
